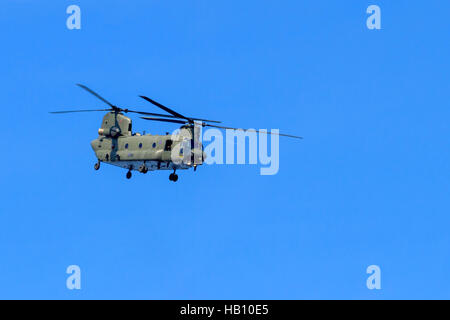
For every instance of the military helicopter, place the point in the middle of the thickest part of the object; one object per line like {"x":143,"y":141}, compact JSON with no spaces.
{"x":118,"y":145}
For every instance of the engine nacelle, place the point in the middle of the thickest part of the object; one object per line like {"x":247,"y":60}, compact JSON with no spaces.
{"x":109,"y":132}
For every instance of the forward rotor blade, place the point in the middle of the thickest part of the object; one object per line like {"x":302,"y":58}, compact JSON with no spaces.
{"x":159,"y":105}
{"x":96,"y":94}
{"x":164,"y":120}
{"x":72,"y":111}
{"x":252,"y":130}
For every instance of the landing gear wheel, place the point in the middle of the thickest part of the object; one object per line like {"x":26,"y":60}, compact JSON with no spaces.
{"x":129,"y":175}
{"x":173,"y":177}
{"x":97,"y":166}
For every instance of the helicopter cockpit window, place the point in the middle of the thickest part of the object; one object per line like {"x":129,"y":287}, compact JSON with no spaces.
{"x":168,"y":146}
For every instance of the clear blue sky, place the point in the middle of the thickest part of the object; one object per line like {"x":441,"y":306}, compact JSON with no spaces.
{"x":369,"y":184}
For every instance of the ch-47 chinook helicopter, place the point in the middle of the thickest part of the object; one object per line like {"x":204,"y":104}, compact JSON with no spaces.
{"x":119,"y":146}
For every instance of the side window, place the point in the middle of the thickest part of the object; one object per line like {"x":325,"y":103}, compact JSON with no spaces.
{"x":154,"y":145}
{"x":140,"y":145}
{"x":168,"y":146}
{"x":126,"y":145}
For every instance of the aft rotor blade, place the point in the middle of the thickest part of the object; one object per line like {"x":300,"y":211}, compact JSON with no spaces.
{"x":149,"y":113}
{"x":72,"y":111}
{"x":96,"y":94}
{"x":159,"y":105}
{"x":164,"y":120}
{"x":252,"y":130}
{"x":205,"y":120}
{"x":167,"y":116}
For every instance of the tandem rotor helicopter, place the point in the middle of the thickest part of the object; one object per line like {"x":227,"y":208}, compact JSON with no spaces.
{"x":118,"y":145}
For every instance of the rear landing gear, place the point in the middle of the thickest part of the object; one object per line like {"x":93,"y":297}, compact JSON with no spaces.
{"x":173,"y":176}
{"x":97,"y":165}
{"x":129,"y":172}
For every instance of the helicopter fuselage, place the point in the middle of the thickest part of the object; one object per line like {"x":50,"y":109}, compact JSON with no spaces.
{"x":117,"y":145}
{"x":131,"y":152}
